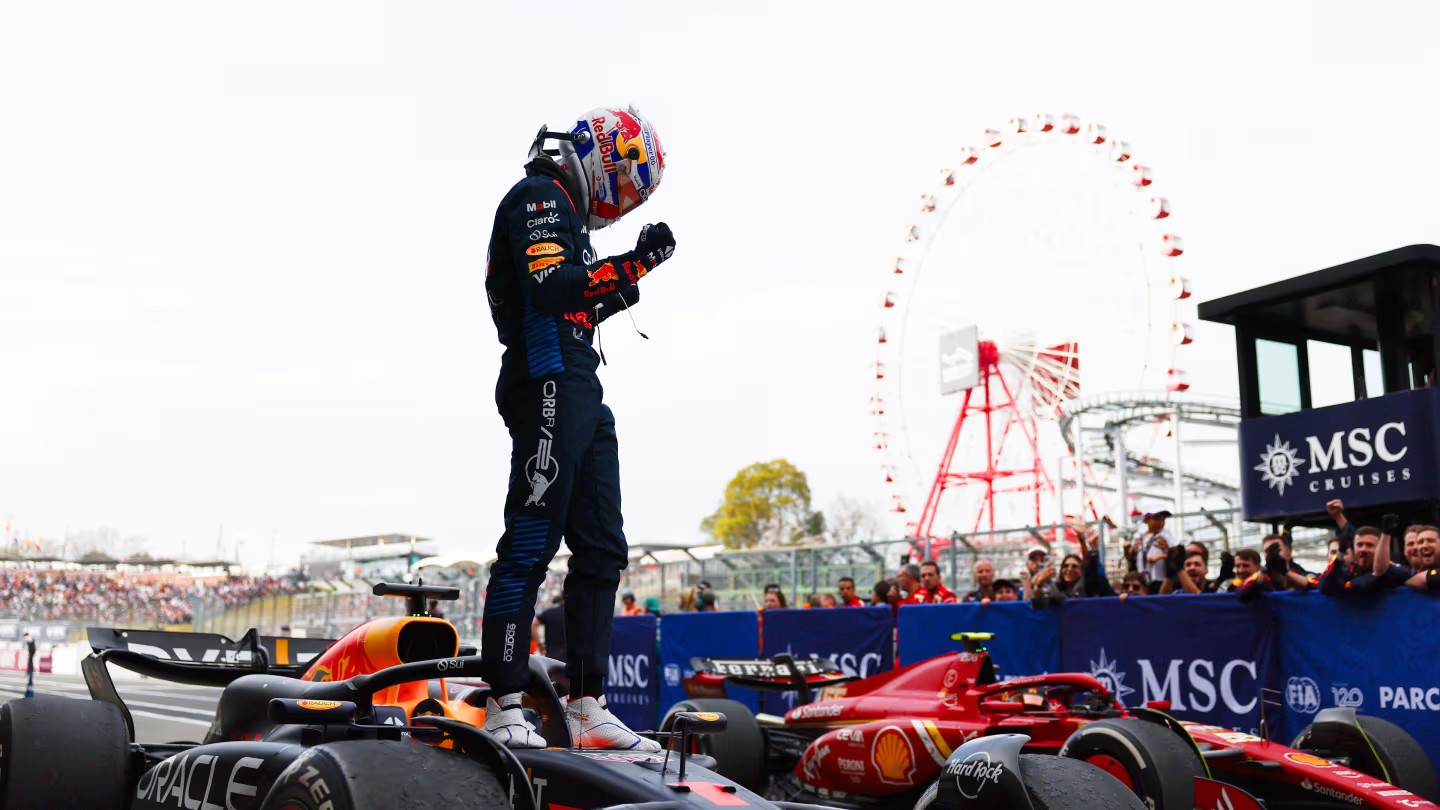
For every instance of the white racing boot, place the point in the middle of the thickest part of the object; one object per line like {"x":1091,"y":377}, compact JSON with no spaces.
{"x":505,"y":722}
{"x":593,"y":726}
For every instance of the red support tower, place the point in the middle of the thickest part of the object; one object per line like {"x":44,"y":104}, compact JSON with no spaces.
{"x":1000,"y":414}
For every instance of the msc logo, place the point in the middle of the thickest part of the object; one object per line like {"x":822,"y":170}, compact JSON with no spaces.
{"x":1351,"y":452}
{"x":629,"y":671}
{"x":1302,"y":695}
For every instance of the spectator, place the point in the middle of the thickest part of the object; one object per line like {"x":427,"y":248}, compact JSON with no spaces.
{"x":1193,"y":547}
{"x":984,"y":583}
{"x":1071,"y":583}
{"x":29,"y":665}
{"x":552,"y":622}
{"x":846,"y":586}
{"x":880,"y":595}
{"x":652,"y":605}
{"x":1358,"y":576}
{"x":936,"y":593}
{"x":627,"y":600}
{"x":773,"y":599}
{"x":813,"y":601}
{"x":1038,"y":576}
{"x":827,"y":600}
{"x":1092,"y":574}
{"x":705,"y":598}
{"x":1005,"y":591}
{"x":1133,"y":584}
{"x":435,"y":610}
{"x":1194,"y":574}
{"x":1149,"y":549}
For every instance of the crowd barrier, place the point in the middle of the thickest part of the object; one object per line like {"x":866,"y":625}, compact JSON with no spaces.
{"x":1283,"y":657}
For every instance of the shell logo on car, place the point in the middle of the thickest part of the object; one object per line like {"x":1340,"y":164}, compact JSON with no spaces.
{"x":893,"y":756}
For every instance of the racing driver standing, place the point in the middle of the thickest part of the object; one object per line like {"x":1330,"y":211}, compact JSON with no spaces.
{"x":548,"y":292}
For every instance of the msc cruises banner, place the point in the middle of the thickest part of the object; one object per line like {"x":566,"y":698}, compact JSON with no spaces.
{"x":723,"y":634}
{"x":633,"y":684}
{"x":1027,"y":641}
{"x":1373,"y":653}
{"x":1208,"y":654}
{"x":1370,"y":452}
{"x":861,"y":641}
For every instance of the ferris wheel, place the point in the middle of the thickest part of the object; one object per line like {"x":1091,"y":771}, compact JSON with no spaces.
{"x":1039,"y":268}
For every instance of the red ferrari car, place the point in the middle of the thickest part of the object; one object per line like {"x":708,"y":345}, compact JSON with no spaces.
{"x":883,"y":740}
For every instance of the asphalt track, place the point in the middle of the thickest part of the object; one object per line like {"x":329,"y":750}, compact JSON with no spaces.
{"x":163,"y":712}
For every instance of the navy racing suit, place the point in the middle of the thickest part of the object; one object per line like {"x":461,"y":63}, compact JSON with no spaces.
{"x":547,"y":293}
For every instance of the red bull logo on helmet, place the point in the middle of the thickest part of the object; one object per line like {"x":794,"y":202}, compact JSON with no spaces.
{"x":627,"y":150}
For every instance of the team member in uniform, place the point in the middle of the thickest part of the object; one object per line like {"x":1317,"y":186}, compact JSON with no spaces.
{"x":548,"y":292}
{"x":1358,"y":576}
{"x":936,"y":593}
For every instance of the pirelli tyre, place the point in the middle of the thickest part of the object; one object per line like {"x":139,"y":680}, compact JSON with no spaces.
{"x":62,"y":752}
{"x":1056,"y":783}
{"x":1146,"y":757}
{"x":1401,"y":760}
{"x":384,"y":775}
{"x":739,"y":750}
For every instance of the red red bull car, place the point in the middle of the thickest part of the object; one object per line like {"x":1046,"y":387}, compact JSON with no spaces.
{"x":886,"y":740}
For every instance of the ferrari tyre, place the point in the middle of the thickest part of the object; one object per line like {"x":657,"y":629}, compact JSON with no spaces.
{"x":1146,"y":757}
{"x":1402,"y":757}
{"x":383,"y":775}
{"x":62,"y":752}
{"x":739,"y":750}
{"x":1056,"y":783}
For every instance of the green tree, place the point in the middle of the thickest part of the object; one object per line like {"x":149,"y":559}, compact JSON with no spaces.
{"x":765,"y":504}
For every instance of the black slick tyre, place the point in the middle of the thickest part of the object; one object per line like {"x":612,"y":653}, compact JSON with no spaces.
{"x":383,"y":775}
{"x":1058,"y":783}
{"x":62,"y":752}
{"x":1404,"y":761}
{"x":1146,"y":757}
{"x":739,"y":750}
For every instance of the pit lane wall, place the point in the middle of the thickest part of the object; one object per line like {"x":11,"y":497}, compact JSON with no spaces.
{"x":1213,"y":658}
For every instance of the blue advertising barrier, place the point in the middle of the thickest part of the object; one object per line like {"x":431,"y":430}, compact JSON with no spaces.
{"x":1208,"y":654}
{"x":725,"y":634}
{"x":860,"y":641}
{"x":1027,"y":641}
{"x":633,"y":684}
{"x":1374,"y":653}
{"x":1375,"y":451}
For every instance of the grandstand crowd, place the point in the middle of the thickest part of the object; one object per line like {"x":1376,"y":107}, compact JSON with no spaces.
{"x":35,"y":594}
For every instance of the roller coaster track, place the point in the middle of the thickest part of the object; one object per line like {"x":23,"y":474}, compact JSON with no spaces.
{"x":1095,"y":443}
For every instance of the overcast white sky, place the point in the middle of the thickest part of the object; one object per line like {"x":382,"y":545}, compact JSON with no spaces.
{"x":242,"y":245}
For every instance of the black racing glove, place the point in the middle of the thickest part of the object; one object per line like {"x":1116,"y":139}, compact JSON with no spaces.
{"x":1275,"y":564}
{"x":1390,"y":524}
{"x":1174,"y":561}
{"x":655,"y":245}
{"x":1227,"y":566}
